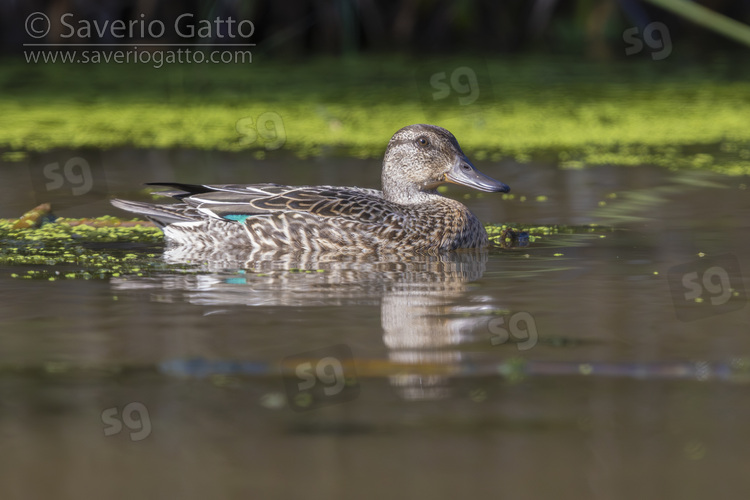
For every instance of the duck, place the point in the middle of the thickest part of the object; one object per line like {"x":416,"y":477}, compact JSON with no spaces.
{"x":407,"y":215}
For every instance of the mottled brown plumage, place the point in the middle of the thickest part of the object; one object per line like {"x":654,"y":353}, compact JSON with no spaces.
{"x":407,"y":215}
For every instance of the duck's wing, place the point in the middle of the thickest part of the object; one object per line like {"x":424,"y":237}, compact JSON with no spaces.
{"x":180,"y":190}
{"x":238,"y":202}
{"x":161,"y":215}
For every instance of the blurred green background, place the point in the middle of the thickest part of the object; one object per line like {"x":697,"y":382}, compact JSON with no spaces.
{"x":574,"y":82}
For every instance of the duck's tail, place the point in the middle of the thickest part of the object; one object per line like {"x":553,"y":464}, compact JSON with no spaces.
{"x":161,"y":215}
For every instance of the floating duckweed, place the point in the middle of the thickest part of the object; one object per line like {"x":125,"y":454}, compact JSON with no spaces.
{"x":62,"y":243}
{"x":608,"y":125}
{"x":572,"y":165}
{"x":519,"y":233}
{"x":520,"y":157}
{"x":14,"y":156}
{"x":541,"y":198}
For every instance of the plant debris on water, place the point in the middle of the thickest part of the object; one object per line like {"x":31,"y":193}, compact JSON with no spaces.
{"x":59,"y":248}
{"x":39,"y":245}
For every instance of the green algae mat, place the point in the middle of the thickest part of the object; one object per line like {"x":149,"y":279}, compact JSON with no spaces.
{"x":41,"y":246}
{"x":573,"y":113}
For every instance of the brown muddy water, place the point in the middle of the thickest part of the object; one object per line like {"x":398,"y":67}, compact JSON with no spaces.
{"x":605,"y":362}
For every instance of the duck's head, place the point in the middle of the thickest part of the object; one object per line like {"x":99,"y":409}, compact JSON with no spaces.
{"x":419,"y":158}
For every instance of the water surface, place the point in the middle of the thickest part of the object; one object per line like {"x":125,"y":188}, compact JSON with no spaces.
{"x":570,"y":368}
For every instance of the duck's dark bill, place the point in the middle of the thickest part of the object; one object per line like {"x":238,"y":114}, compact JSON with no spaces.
{"x":465,"y":174}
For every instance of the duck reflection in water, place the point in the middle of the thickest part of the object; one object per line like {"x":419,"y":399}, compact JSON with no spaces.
{"x":427,"y":309}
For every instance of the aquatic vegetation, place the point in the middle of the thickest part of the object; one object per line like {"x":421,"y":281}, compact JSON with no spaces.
{"x":513,"y":235}
{"x":79,"y":248}
{"x":572,"y":113}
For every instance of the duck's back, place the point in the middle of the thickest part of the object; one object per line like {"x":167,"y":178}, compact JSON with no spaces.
{"x":313,"y":218}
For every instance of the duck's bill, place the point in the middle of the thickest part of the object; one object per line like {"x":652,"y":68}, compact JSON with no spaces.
{"x":466,"y":174}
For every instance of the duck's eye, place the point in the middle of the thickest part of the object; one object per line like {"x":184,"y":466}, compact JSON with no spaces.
{"x":423,"y":142}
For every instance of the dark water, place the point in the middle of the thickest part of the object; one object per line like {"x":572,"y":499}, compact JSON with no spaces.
{"x":580,"y":366}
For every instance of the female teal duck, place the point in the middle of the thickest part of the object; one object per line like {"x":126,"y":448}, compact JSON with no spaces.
{"x":407,"y":215}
